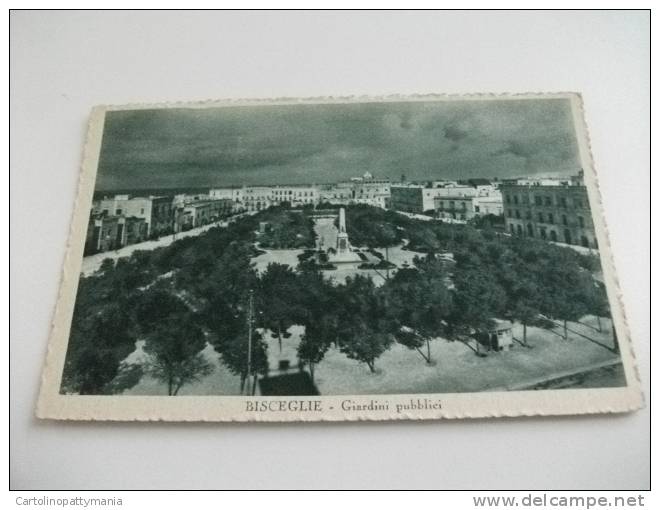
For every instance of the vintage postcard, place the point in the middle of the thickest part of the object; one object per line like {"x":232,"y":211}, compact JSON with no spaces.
{"x":338,"y":259}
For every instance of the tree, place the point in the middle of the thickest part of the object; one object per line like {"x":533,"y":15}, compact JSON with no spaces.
{"x":598,"y":303}
{"x":371,"y":226}
{"x":173,"y":338}
{"x":234,"y":353}
{"x":318,"y":301}
{"x":365,"y":343}
{"x":128,"y":375}
{"x":524,"y":297}
{"x":174,"y":347}
{"x":420,"y":303}
{"x":313,"y":346}
{"x":288,"y":230}
{"x":98,"y":343}
{"x":222,"y":299}
{"x":103,"y":327}
{"x":365,"y":330}
{"x":599,"y":306}
{"x":566,"y":291}
{"x":277,"y":291}
{"x":478,"y":298}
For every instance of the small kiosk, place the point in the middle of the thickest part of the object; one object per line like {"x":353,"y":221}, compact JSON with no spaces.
{"x":498,"y":338}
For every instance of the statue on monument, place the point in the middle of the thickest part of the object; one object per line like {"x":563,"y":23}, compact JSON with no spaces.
{"x":344,"y":255}
{"x":343,"y":246}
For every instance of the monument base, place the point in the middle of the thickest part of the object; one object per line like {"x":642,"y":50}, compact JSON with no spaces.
{"x":345,"y":259}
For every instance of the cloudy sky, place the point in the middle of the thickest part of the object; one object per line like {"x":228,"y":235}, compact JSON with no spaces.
{"x":324,"y":143}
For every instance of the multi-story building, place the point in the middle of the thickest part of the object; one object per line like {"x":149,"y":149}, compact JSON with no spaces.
{"x":489,"y":204}
{"x":413,"y":198}
{"x":157,"y":212}
{"x":371,"y":191}
{"x":196,"y":214}
{"x":256,"y":198}
{"x":553,"y":209}
{"x":182,"y":199}
{"x":455,"y":207}
{"x":466,"y":206}
{"x":295,"y":195}
{"x":338,"y":193}
{"x":112,"y":232}
{"x":234,"y":193}
{"x":357,"y":190}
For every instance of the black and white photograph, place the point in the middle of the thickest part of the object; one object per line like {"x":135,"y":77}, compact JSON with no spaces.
{"x":342,"y":249}
{"x":359,"y":248}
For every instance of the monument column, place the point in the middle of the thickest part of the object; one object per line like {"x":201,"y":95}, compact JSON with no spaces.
{"x":342,"y":236}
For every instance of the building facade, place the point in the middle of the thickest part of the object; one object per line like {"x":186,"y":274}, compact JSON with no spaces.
{"x":489,"y":204}
{"x":157,"y":212}
{"x":338,"y":193}
{"x":456,"y":208}
{"x":112,"y":232}
{"x":197,"y":214}
{"x":413,"y":198}
{"x":468,"y":203}
{"x":234,"y":193}
{"x":371,"y":191}
{"x":553,"y":210}
{"x":256,"y":198}
{"x":358,"y":190}
{"x":295,"y":195}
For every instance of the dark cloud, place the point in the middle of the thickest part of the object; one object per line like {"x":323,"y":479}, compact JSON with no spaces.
{"x":454,"y":133}
{"x":324,"y":143}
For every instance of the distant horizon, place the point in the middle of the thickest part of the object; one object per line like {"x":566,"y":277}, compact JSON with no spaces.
{"x":207,"y":187}
{"x":325,"y":143}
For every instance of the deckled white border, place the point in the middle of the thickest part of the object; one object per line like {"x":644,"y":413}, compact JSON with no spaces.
{"x":222,"y":408}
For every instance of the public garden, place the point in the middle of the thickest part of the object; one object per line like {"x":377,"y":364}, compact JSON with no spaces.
{"x":184,"y":318}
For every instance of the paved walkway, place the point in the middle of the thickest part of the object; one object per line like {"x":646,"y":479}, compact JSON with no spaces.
{"x":326,"y":231}
{"x":92,"y":263}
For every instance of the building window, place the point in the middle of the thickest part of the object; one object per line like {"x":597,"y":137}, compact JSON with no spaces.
{"x":515,"y":199}
{"x":562,"y":202}
{"x":530,"y":230}
{"x":585,"y":242}
{"x":528,"y":215}
{"x":564,"y":221}
{"x":551,"y":219}
{"x":581,"y":221}
{"x":476,"y":208}
{"x":510,"y":213}
{"x":548,"y":200}
{"x":543,"y":233}
{"x":517,"y":214}
{"x":540,"y":217}
{"x":520,"y":231}
{"x":508,"y":199}
{"x":567,"y":236}
{"x":118,"y":212}
{"x":511,"y":227}
{"x":537,"y":200}
{"x":553,"y":236}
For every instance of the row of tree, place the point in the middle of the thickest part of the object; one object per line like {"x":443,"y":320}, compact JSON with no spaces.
{"x":195,"y":293}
